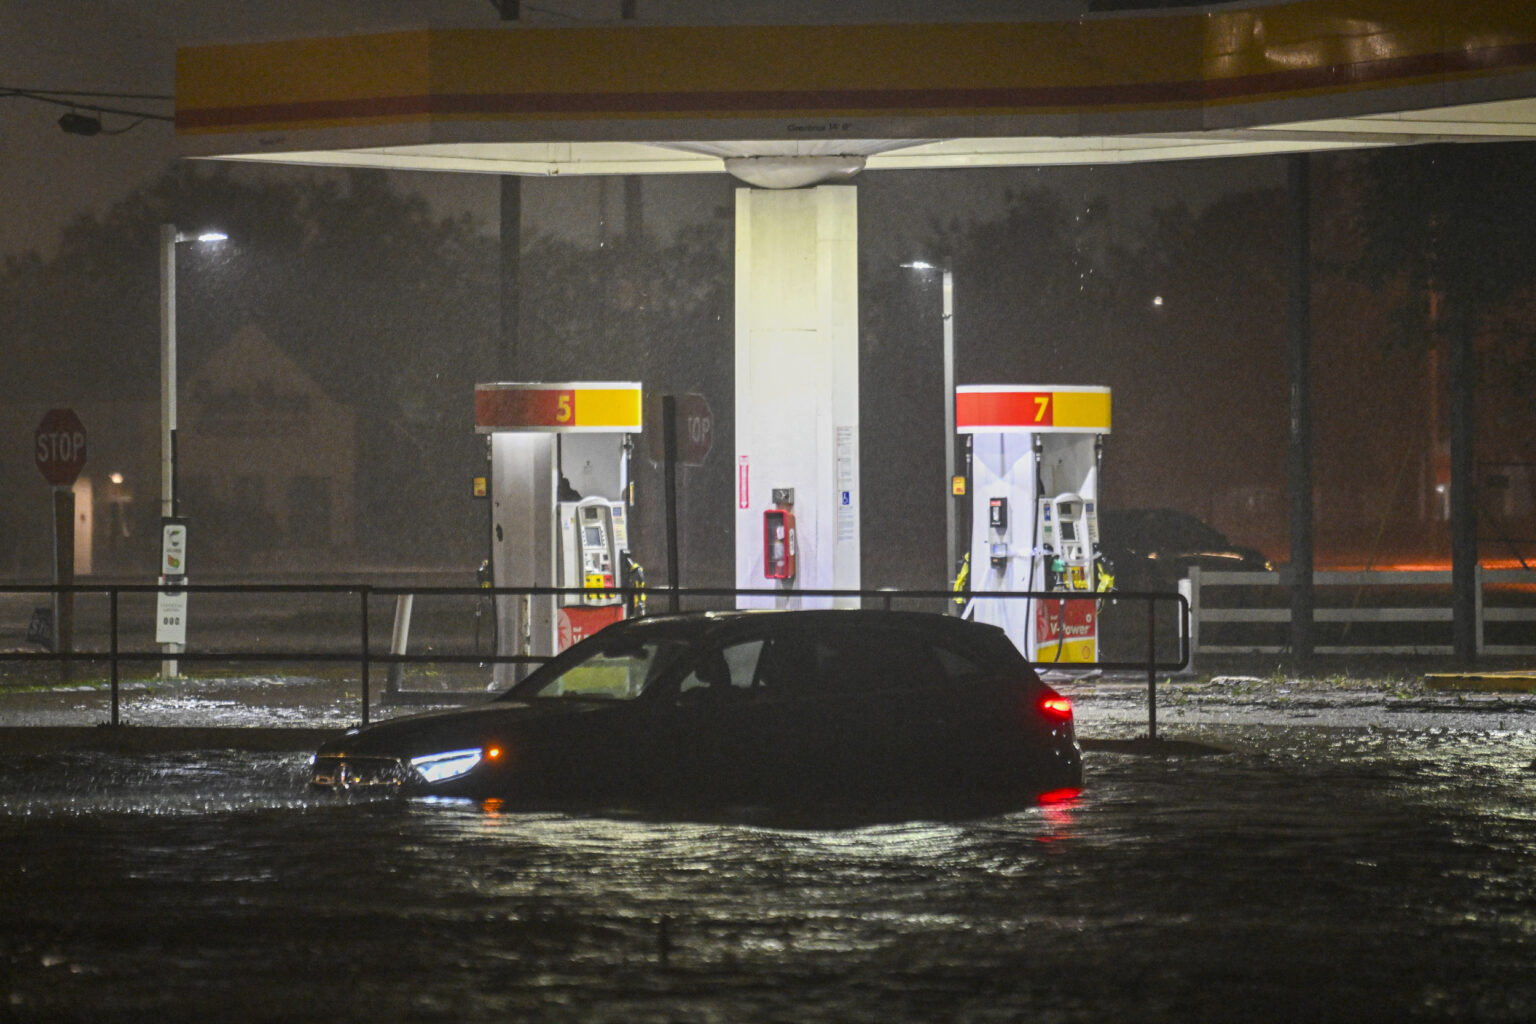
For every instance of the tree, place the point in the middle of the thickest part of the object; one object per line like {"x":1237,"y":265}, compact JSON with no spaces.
{"x":656,"y":310}
{"x":1450,"y":232}
{"x":1032,"y":304}
{"x":388,"y":307}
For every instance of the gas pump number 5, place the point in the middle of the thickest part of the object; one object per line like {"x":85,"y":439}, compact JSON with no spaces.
{"x":564,"y":407}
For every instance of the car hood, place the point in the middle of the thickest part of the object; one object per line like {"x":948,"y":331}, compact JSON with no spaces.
{"x":1227,"y":556}
{"x":452,"y":730}
{"x":1234,"y":556}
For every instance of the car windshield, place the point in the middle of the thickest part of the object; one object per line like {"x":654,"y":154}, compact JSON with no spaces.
{"x":1193,"y":534}
{"x":616,"y":671}
{"x":1154,"y":529}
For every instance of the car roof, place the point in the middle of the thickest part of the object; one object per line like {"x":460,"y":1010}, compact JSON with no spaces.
{"x":706,"y":623}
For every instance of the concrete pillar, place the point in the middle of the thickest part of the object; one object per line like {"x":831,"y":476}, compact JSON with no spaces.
{"x":797,"y":385}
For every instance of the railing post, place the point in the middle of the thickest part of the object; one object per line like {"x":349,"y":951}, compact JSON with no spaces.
{"x":363,"y":602}
{"x":112,"y":641}
{"x":1186,"y":649}
{"x":1194,"y":613}
{"x":1151,"y":668}
{"x":399,"y":640}
{"x":1477,"y":606}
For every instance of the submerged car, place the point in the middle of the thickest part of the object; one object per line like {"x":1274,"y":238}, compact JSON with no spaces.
{"x":772,"y":709}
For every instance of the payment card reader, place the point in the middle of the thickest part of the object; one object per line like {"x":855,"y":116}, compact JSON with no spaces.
{"x":593,"y":532}
{"x":997,"y":532}
{"x":1069,"y":534}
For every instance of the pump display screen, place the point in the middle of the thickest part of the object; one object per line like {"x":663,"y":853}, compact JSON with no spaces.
{"x":594,"y":535}
{"x":1068,"y":530}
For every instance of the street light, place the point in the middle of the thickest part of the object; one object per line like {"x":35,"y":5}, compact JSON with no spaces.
{"x":169,"y":236}
{"x":948,"y":279}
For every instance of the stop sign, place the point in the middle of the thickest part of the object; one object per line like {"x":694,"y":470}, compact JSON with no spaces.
{"x":60,"y":446}
{"x":695,"y":430}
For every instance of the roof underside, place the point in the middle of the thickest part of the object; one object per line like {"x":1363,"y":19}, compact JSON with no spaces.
{"x":1228,"y":81}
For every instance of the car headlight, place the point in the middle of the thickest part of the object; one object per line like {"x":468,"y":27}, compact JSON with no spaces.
{"x":448,"y":765}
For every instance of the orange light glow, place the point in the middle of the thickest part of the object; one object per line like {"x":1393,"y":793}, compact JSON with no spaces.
{"x":1433,"y":564}
{"x":1413,"y":565}
{"x":492,"y":753}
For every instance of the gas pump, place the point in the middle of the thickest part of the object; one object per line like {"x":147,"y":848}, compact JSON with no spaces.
{"x":1036,"y":452}
{"x":560,"y":493}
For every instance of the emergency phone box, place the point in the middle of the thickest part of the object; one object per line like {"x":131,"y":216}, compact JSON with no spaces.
{"x":778,"y":544}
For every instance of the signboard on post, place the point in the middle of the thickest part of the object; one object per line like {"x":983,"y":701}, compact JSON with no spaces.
{"x":59,"y":447}
{"x":171,"y":614}
{"x":173,"y":547}
{"x":695,"y":431}
{"x":171,"y":605}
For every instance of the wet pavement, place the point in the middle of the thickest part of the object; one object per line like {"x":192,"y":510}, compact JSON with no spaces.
{"x":1106,"y":705}
{"x":1364,"y":850}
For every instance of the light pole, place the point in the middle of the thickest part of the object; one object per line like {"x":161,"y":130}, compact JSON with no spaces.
{"x":948,"y":283}
{"x":168,"y":604}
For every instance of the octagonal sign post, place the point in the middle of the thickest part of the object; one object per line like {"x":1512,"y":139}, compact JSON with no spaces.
{"x":694,"y":423}
{"x":695,"y":429}
{"x":59,"y":448}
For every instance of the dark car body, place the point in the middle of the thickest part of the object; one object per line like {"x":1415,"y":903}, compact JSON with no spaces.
{"x":792,"y":709}
{"x":1154,"y":548}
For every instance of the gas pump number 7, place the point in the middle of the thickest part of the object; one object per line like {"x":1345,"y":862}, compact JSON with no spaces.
{"x":1042,"y":408}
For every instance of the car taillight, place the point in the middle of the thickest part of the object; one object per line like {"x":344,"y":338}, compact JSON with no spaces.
{"x":1054,"y":706}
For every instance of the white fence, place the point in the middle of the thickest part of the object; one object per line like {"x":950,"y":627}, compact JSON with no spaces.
{"x":1428,"y":608}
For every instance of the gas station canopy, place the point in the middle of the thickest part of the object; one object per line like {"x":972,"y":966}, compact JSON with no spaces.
{"x":793,"y":104}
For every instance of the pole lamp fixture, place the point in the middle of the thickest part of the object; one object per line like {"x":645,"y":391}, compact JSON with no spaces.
{"x":948,"y":281}
{"x":169,"y":237}
{"x":74,"y":123}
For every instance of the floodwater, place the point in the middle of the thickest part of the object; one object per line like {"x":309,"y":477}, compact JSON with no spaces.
{"x":1383,"y":869}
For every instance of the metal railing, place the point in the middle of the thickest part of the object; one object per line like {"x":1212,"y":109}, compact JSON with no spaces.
{"x":1423,"y":610}
{"x":366,"y":597}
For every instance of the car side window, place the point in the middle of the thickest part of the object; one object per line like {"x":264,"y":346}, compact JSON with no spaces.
{"x":723,"y":672}
{"x":788,"y":665}
{"x":958,"y":667}
{"x":870,"y":660}
{"x":853,"y":661}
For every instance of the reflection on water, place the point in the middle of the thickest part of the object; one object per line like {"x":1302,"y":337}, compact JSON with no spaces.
{"x":1317,"y":874}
